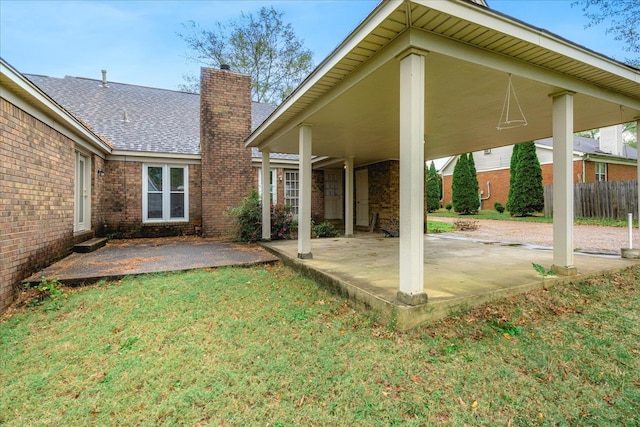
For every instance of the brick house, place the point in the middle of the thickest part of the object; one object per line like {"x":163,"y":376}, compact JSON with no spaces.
{"x":153,"y":163}
{"x":604,"y":159}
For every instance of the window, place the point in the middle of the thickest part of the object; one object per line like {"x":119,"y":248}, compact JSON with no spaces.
{"x":601,"y":172}
{"x":291,"y":190}
{"x":273,"y":191}
{"x":487,"y":151}
{"x":165,"y":193}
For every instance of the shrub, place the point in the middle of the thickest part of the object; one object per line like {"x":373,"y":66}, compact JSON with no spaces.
{"x":281,"y":222}
{"x":497,"y":206}
{"x":448,"y":207}
{"x":325,"y":229}
{"x":248,"y":218}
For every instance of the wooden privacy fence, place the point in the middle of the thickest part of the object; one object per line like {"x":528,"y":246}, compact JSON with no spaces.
{"x":610,"y":199}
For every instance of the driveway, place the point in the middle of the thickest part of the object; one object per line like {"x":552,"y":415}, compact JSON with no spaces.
{"x":138,"y":256}
{"x":587,"y":238}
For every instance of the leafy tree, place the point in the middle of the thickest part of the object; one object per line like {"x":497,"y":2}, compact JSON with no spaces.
{"x":513,"y":166}
{"x":463,"y":190}
{"x":433,"y":192}
{"x":622,"y":18}
{"x":261,"y":45}
{"x":527,"y":194}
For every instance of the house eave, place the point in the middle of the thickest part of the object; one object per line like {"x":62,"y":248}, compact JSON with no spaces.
{"x":12,"y":82}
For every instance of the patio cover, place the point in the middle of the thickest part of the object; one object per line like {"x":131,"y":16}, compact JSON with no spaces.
{"x":423,"y":79}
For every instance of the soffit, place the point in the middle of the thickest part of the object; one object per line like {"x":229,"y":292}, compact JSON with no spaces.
{"x":355,"y":112}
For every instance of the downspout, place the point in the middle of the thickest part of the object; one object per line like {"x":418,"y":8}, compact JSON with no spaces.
{"x":488,"y":194}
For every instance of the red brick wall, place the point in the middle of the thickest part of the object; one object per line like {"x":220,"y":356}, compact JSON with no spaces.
{"x":499,"y":180}
{"x":384,"y":192}
{"x":622,"y":173}
{"x":225,"y":123}
{"x":37,"y":166}
{"x":122,"y":201}
{"x":317,"y":196}
{"x":614,"y":172}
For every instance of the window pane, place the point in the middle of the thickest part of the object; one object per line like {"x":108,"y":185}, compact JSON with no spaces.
{"x":155,"y":178}
{"x":177,"y":179}
{"x":291,"y":191}
{"x":177,"y":205}
{"x":154,"y":205}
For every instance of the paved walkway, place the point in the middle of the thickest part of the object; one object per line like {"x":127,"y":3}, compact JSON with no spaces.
{"x":120,"y":258}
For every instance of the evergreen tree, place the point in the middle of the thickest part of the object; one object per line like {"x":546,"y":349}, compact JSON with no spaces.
{"x":513,"y":167}
{"x":474,"y":176}
{"x":527,"y":195}
{"x":464,"y":194}
{"x":433,"y":192}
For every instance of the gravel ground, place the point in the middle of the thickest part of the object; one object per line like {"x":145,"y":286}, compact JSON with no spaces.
{"x":587,"y":238}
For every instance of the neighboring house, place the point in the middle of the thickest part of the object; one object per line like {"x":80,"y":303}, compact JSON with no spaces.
{"x":606,"y":159}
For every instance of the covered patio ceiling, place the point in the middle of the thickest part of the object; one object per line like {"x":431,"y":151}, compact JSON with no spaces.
{"x":352,"y":100}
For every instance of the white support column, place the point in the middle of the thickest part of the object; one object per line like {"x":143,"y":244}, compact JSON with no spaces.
{"x":304,"y":195}
{"x":412,"y":76}
{"x":563,"y":184}
{"x":348,"y":197}
{"x":266,"y":196}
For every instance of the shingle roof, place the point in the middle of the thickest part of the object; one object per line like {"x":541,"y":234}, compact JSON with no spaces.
{"x":592,"y":146}
{"x":157,"y":120}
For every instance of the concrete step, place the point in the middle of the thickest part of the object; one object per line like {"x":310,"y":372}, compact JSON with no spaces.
{"x":90,"y":245}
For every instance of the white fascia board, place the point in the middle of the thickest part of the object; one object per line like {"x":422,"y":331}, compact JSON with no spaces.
{"x":576,"y":153}
{"x":316,"y":161}
{"x":147,"y":156}
{"x":375,"y":18}
{"x":610,"y":160}
{"x":459,"y":50}
{"x":71,"y":126}
{"x":257,"y":162}
{"x":490,"y":18}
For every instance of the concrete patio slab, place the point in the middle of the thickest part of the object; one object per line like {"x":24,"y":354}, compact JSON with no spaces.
{"x":459,"y":273}
{"x":121,"y":258}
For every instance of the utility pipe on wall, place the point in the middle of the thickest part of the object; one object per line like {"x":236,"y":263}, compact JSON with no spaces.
{"x":488,"y":194}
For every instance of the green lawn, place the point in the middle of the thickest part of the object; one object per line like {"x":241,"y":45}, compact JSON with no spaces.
{"x":264,"y":346}
{"x":491,"y":214}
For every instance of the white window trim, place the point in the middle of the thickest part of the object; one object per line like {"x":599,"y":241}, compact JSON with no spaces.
{"x":274,"y":179}
{"x":166,"y":196}
{"x":297,"y":198}
{"x":603,"y":165}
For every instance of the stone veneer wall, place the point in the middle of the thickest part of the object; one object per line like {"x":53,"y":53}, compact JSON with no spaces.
{"x":225,"y":123}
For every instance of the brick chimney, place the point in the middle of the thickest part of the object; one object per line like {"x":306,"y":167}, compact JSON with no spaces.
{"x":611,"y":140}
{"x":225,"y":123}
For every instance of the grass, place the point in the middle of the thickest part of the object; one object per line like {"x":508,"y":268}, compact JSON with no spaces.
{"x":439,"y":227}
{"x":492,"y":214}
{"x":264,"y":346}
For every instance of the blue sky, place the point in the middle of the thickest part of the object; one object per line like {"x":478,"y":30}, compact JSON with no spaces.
{"x":137,"y":41}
